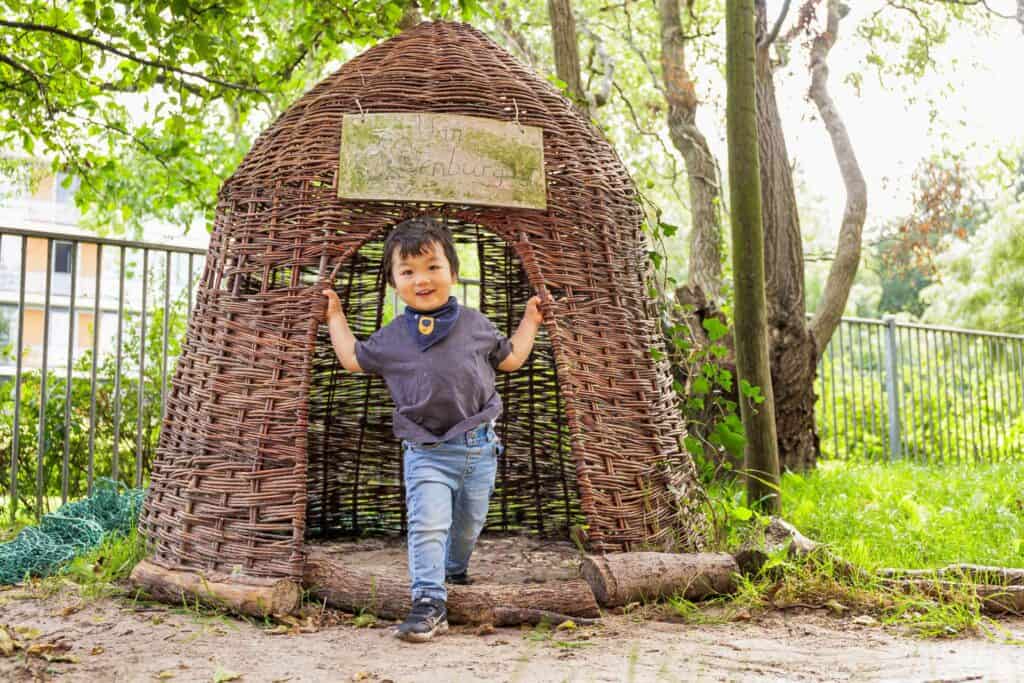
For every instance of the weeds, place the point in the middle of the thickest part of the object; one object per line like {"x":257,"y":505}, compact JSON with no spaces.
{"x":565,"y":638}
{"x":98,"y":571}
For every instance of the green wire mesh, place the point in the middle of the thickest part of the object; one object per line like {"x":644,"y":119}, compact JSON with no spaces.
{"x":73,"y":529}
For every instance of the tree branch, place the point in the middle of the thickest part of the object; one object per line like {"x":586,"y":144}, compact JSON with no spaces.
{"x":766,"y":41}
{"x":844,"y":268}
{"x":600,"y":97}
{"x":649,"y":133}
{"x":55,"y":30}
{"x":984,"y":3}
{"x":40,"y":86}
{"x":680,"y":93}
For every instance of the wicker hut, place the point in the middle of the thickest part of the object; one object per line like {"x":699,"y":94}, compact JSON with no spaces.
{"x":268,"y":443}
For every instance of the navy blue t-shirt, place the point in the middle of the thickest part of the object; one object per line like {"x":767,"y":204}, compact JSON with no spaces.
{"x":445,"y":390}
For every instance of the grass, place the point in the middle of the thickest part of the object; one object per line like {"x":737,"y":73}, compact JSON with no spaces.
{"x":98,"y":571}
{"x":876,"y":515}
{"x":894,"y":515}
{"x":911,"y":516}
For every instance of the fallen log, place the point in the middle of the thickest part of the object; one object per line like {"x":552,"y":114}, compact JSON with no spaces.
{"x":244,"y":595}
{"x":975,"y":573}
{"x":621,"y":578}
{"x":994,"y":599}
{"x":387,"y":596}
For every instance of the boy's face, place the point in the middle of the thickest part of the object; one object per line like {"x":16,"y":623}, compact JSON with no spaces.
{"x":423,"y":281}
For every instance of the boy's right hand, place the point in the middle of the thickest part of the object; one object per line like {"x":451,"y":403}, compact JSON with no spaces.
{"x":333,"y":303}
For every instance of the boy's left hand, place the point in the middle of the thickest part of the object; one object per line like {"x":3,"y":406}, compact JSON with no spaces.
{"x":533,"y":313}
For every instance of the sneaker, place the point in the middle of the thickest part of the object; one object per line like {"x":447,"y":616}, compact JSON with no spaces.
{"x":460,"y":579}
{"x":427,"y":618}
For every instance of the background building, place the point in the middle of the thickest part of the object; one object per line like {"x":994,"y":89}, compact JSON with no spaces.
{"x":59,"y":245}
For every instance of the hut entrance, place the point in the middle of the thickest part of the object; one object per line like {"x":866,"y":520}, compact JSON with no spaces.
{"x":354,"y":474}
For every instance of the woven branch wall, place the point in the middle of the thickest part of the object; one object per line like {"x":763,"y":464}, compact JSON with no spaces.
{"x":266,"y":441}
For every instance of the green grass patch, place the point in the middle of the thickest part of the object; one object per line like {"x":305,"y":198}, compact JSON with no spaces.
{"x":875,"y":515}
{"x":911,"y":516}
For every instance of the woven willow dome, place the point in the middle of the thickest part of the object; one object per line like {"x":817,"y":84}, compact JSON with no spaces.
{"x":268,"y":443}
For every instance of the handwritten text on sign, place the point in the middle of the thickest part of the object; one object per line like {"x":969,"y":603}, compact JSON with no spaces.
{"x":442,"y":157}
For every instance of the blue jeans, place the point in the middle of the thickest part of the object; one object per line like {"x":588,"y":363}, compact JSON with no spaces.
{"x":448,"y":486}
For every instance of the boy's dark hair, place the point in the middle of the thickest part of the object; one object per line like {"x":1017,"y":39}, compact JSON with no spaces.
{"x":411,"y":237}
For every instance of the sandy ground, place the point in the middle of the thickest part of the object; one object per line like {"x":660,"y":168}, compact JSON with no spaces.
{"x":110,"y":640}
{"x":119,"y":639}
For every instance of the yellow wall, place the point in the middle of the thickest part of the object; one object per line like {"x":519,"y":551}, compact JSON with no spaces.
{"x":33,"y":327}
{"x":45,"y":189}
{"x":87,"y":260}
{"x":36,"y":261}
{"x":85,"y":330}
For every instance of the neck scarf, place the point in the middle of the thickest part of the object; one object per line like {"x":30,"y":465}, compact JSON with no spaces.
{"x":429,"y":327}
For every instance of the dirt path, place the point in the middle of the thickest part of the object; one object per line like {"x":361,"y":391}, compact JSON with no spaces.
{"x":111,"y":640}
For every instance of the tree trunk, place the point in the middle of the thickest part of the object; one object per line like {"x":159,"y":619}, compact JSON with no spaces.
{"x":566,"y":49}
{"x":748,"y":257}
{"x":844,"y":266}
{"x":705,"y":272}
{"x":793,"y":352}
{"x":501,"y":605}
{"x":621,"y":578}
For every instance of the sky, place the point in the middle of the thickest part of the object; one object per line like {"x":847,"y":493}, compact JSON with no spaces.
{"x":983,"y":112}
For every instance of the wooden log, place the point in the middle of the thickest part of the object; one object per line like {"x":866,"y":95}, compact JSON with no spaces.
{"x":994,"y":599}
{"x":387,"y":596}
{"x":620,"y":578}
{"x":244,"y":595}
{"x":780,"y":534}
{"x":974,"y":573}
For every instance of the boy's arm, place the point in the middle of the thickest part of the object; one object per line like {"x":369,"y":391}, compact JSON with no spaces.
{"x":522,"y":340}
{"x":342,"y":339}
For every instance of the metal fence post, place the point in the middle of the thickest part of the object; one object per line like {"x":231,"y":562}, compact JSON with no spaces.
{"x":892,"y":387}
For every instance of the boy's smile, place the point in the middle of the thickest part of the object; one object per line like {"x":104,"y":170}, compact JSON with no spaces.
{"x":423,"y":281}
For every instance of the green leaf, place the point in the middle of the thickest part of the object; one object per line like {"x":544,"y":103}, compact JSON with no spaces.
{"x":715,"y":329}
{"x":741,"y":513}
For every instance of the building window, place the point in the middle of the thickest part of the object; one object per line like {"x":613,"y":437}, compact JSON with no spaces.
{"x":66,"y":195}
{"x":62,"y":257}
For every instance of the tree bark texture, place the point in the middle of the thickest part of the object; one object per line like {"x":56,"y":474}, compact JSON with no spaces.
{"x":844,"y":266}
{"x":387,"y":596}
{"x":705,"y":270}
{"x":566,"y":49}
{"x":794,"y":353}
{"x":748,"y":256}
{"x":255,"y":597}
{"x":621,"y":578}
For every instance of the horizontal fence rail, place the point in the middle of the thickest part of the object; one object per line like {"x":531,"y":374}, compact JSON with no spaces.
{"x":889,"y":389}
{"x":90,"y":330}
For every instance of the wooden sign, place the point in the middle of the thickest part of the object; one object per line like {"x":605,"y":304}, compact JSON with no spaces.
{"x":442,"y":158}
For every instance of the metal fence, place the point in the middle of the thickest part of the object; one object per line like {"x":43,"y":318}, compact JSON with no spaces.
{"x":104,"y":290}
{"x":86,"y":400}
{"x":889,"y":389}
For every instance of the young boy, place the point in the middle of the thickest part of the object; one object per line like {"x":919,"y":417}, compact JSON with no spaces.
{"x":438,"y":360}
